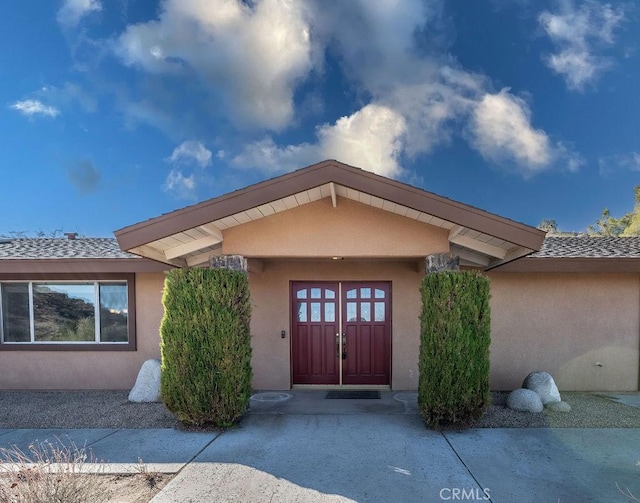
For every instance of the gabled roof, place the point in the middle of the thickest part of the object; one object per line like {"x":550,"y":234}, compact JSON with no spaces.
{"x":189,"y":236}
{"x":62,"y":255}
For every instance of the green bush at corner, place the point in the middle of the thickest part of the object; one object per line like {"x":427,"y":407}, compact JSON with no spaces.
{"x":206,"y":346}
{"x":453,"y":387}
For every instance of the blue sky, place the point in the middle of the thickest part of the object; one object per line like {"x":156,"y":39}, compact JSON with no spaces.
{"x":113,"y":112}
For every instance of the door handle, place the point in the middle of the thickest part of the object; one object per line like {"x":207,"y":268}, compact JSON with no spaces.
{"x":344,"y":346}
{"x":337,"y":345}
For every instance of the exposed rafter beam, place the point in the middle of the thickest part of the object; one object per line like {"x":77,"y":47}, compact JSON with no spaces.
{"x":192,"y":246}
{"x":149,"y":251}
{"x":471,"y":256}
{"x":479,"y":246}
{"x":334,"y":198}
{"x":201,"y":258}
{"x":457,"y":229}
{"x":212,"y":230}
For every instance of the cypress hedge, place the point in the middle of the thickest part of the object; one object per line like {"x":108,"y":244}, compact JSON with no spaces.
{"x":453,"y":387}
{"x":206,"y":346}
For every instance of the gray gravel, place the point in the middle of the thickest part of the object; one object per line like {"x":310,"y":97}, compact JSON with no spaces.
{"x":588,"y":410}
{"x":111,"y":409}
{"x":80,"y":409}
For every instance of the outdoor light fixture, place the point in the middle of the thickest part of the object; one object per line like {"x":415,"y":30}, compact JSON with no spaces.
{"x":337,"y":258}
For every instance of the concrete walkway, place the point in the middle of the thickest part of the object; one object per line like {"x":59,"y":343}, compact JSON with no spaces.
{"x":305,"y":448}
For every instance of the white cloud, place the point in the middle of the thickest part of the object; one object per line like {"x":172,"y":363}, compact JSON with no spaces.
{"x":500,"y":129}
{"x":613,"y":163}
{"x":72,"y":11}
{"x":249,"y":58}
{"x":578,"y":35}
{"x":35,"y":107}
{"x":191,"y":151}
{"x":180,"y":186}
{"x":371,"y":138}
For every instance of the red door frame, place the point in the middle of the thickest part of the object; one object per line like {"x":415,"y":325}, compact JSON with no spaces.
{"x":364,"y":365}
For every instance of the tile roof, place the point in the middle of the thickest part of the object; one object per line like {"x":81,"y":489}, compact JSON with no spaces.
{"x":589,"y":247}
{"x":62,"y":248}
{"x":107,"y":248}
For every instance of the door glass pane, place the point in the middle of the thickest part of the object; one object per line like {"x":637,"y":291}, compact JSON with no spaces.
{"x":365,"y":311}
{"x":352,"y":294}
{"x":64,"y":312}
{"x":315,"y":311}
{"x":329,"y":294}
{"x":302,"y":312}
{"x":316,"y":293}
{"x":352,"y":313}
{"x":379,"y":294}
{"x":302,"y":294}
{"x":15,"y":312}
{"x":379,"y":315}
{"x":113,"y":312}
{"x":365,"y":293}
{"x":330,"y":312}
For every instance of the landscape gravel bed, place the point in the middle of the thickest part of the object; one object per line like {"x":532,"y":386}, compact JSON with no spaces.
{"x":111,"y":409}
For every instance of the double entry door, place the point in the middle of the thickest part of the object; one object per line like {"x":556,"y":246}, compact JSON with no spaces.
{"x":341,"y":333}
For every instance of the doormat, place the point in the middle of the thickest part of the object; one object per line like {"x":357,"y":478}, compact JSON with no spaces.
{"x":353,"y":395}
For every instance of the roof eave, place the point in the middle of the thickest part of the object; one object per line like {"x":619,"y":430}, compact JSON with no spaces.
{"x":573,"y":265}
{"x":319,"y":174}
{"x":14,"y":267}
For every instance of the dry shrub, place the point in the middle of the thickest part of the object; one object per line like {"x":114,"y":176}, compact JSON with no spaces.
{"x":49,"y":473}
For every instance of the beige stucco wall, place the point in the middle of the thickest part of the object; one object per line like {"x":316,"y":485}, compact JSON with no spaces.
{"x":91,"y":369}
{"x":270,"y":294}
{"x":351,"y":229}
{"x":564,"y":324}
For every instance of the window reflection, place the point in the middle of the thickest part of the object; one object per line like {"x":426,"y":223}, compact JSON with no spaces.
{"x":329,"y":294}
{"x":316,"y":293}
{"x":315,"y":311}
{"x":352,"y":294}
{"x":113,"y":312}
{"x":302,"y":294}
{"x":16,"y":326}
{"x":330,"y":312}
{"x":64,"y":312}
{"x":379,"y":311}
{"x":302,"y":312}
{"x":379,"y":294}
{"x":365,"y":311}
{"x":352,"y":311}
{"x":365,"y":293}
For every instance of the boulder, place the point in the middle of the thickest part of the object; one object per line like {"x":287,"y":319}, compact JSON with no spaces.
{"x":558,"y":407}
{"x":524,"y":400}
{"x":544,"y":385}
{"x":147,"y":386}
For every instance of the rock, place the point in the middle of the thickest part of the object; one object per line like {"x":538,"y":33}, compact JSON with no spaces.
{"x":524,"y":400}
{"x":147,"y":386}
{"x":558,"y":407}
{"x":544,"y":385}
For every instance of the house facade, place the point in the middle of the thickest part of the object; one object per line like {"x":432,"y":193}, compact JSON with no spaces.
{"x":335,"y":256}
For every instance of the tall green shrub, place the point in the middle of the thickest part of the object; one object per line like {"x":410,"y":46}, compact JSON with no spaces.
{"x":206,"y":345}
{"x":453,"y":387}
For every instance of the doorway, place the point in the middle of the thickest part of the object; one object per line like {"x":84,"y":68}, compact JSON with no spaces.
{"x":341,"y":333}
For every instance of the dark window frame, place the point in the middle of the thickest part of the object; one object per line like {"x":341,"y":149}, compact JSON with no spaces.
{"x":80,"y":346}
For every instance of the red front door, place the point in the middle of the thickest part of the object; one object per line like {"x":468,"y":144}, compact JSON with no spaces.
{"x":341,"y":333}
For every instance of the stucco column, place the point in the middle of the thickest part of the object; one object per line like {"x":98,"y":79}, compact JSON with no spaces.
{"x":441,"y":262}
{"x":232,"y":262}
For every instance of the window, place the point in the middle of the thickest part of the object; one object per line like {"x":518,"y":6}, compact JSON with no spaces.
{"x":64,"y":312}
